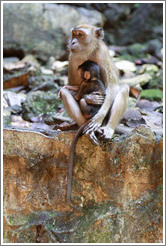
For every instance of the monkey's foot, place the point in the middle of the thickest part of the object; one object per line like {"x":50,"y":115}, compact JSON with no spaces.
{"x":105,"y":132}
{"x":66,"y":126}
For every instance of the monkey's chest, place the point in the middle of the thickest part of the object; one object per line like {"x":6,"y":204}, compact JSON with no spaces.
{"x":76,"y":76}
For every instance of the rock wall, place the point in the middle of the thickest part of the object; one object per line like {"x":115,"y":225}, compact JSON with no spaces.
{"x":116,"y":195}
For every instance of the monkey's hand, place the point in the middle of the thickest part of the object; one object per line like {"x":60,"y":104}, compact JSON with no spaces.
{"x":105,"y":132}
{"x":94,"y":98}
{"x":94,"y":124}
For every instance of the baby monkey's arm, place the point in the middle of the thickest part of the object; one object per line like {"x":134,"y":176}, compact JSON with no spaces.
{"x":72,"y":87}
{"x":69,"y":87}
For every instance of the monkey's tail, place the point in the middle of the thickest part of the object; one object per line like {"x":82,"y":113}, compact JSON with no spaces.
{"x":71,"y":158}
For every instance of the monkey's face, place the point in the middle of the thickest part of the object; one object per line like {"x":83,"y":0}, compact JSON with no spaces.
{"x":85,"y":37}
{"x":86,"y":75}
{"x":78,"y":40}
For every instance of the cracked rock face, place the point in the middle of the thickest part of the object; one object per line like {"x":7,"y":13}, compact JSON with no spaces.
{"x":116,"y":193}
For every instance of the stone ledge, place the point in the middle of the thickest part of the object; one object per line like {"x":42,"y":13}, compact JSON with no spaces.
{"x":121,"y":172}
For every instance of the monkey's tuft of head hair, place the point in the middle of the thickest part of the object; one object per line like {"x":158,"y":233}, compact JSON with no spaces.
{"x":92,"y":67}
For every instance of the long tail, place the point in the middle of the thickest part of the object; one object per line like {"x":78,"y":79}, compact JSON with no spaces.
{"x":71,"y":159}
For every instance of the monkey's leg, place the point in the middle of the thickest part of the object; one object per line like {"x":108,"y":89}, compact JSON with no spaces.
{"x":118,"y":108}
{"x":89,"y":110}
{"x":72,"y":107}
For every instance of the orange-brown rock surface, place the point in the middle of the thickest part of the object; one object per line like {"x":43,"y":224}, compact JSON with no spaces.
{"x":116,"y":194}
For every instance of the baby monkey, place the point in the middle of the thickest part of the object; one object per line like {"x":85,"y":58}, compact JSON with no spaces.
{"x":91,"y":83}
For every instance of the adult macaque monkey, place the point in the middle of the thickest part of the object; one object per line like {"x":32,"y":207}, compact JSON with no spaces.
{"x":86,"y":44}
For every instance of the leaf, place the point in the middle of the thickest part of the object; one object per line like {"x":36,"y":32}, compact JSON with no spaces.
{"x":152,"y":94}
{"x":134,"y":92}
{"x":21,"y":79}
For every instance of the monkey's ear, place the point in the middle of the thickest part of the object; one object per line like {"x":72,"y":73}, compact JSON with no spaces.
{"x":99,"y":33}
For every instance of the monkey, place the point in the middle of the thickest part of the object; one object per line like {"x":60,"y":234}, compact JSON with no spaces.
{"x":90,"y":74}
{"x":86,"y":44}
{"x":91,"y":83}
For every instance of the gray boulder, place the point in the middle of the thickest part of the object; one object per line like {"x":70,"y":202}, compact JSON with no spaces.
{"x":144,"y":24}
{"x":42,"y":29}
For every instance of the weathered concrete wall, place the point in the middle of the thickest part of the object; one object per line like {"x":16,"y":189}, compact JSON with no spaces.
{"x":116,"y":195}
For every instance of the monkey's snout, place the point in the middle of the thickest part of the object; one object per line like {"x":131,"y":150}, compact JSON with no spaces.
{"x":73,"y":43}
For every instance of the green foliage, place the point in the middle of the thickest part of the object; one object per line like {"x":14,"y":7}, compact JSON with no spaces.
{"x":152,"y":94}
{"x":6,"y":121}
{"x":134,"y":52}
{"x":157,"y":81}
{"x":137,"y":5}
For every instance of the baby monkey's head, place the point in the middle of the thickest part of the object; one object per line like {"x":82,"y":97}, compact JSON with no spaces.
{"x":89,"y":70}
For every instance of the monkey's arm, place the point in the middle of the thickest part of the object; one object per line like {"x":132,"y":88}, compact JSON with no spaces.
{"x":81,"y":91}
{"x":97,"y":120}
{"x":72,"y":87}
{"x":101,"y":87}
{"x":69,"y":87}
{"x":118,"y":108}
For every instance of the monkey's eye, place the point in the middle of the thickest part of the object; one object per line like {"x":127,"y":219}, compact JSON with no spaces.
{"x":74,"y":34}
{"x":79,"y":34}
